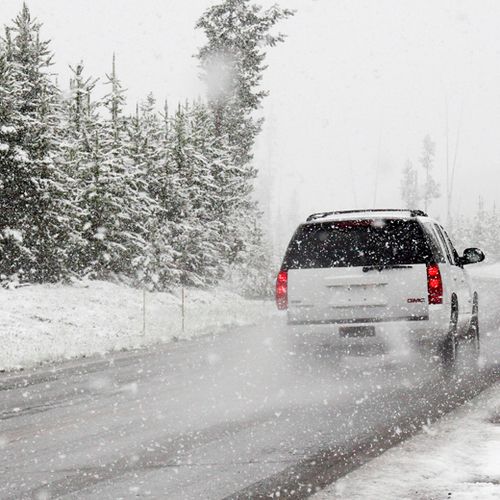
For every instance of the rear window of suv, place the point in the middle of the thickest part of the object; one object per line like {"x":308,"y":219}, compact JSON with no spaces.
{"x":358,"y":243}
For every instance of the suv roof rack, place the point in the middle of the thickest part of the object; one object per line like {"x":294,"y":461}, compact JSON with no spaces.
{"x":321,"y":215}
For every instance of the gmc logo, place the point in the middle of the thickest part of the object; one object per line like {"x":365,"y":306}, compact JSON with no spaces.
{"x":412,"y":301}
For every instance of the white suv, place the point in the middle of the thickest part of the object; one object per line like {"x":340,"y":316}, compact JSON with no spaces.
{"x":362,"y":274}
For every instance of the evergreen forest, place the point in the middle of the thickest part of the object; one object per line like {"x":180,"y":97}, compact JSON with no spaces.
{"x":155,"y":199}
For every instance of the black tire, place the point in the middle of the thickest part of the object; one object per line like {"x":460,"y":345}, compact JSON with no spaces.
{"x":449,"y":348}
{"x":473,"y":332}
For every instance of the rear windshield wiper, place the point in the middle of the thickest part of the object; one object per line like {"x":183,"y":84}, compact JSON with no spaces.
{"x":379,"y":268}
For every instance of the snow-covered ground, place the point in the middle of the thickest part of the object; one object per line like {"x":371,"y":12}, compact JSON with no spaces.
{"x":50,"y":323}
{"x":456,"y":458}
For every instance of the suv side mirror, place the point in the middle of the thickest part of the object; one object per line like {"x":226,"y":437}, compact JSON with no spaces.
{"x":472,"y":256}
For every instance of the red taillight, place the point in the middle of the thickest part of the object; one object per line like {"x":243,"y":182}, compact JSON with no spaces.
{"x":282,"y":290}
{"x":354,"y":223}
{"x":434,"y":284}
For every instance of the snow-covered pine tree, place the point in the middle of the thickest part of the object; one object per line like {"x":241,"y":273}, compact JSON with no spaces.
{"x":491,"y":240}
{"x":34,"y":224}
{"x":191,"y":199}
{"x":146,"y":149}
{"x":230,"y":224}
{"x":481,"y":230}
{"x":252,"y":272}
{"x":409,"y":186}
{"x":80,"y":124}
{"x":80,"y":106}
{"x":459,"y":229}
{"x":431,"y":187}
{"x":480,"y":227}
{"x":214,"y":184}
{"x":113,"y":196}
{"x":232,"y":61}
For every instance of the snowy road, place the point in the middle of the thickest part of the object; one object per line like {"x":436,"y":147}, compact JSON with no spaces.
{"x":223,"y":417}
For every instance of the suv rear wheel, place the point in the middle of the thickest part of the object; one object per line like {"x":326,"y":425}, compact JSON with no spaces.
{"x":450,"y":345}
{"x":473,"y":332}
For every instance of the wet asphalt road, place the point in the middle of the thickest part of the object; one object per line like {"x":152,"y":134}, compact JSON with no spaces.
{"x":226,"y":417}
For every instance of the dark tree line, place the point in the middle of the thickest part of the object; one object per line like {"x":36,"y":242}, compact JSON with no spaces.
{"x":155,"y":198}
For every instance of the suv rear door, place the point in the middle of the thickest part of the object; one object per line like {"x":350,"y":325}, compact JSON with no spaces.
{"x":358,"y":271}
{"x":459,"y":280}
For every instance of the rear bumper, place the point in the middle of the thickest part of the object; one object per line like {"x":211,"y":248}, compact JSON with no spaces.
{"x":432,"y":328}
{"x":356,"y":321}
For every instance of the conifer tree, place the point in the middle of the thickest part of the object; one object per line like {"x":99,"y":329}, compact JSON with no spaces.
{"x":34,"y":224}
{"x":233,"y":63}
{"x":87,"y":190}
{"x":480,"y":225}
{"x":409,"y":186}
{"x":146,"y":149}
{"x":431,"y":187}
{"x":113,"y":200}
{"x":492,"y":239}
{"x":196,"y":233}
{"x":81,"y":123}
{"x":81,"y":106}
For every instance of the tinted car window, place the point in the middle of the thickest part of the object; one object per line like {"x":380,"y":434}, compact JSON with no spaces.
{"x":357,"y":243}
{"x":456,"y":258}
{"x":436,"y":242}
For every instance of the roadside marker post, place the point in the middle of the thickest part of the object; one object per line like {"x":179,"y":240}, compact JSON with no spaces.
{"x":182,"y":310}
{"x":144,"y":313}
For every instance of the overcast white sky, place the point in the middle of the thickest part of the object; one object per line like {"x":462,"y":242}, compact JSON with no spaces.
{"x":354,"y":89}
